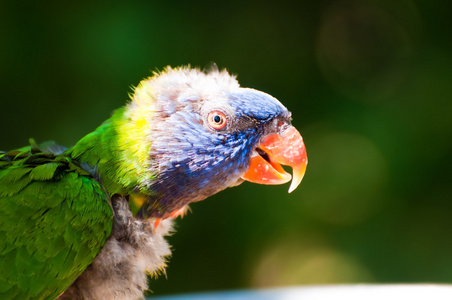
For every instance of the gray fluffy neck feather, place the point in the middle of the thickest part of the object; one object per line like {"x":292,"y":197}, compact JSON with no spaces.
{"x":132,"y":250}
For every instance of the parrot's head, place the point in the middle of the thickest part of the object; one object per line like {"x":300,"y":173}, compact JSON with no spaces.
{"x":206,"y":133}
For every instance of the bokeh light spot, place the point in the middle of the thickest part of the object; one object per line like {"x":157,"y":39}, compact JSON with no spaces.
{"x":308,"y":260}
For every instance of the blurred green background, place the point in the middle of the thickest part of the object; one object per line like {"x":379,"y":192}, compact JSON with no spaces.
{"x":370,"y":87}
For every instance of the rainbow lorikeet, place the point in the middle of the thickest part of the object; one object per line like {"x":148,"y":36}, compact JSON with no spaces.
{"x":88,"y":222}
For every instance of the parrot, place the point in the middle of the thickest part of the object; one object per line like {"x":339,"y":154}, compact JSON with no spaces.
{"x":90,"y":221}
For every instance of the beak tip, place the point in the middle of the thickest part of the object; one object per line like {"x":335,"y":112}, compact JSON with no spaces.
{"x":298,"y":175}
{"x":293,"y":186}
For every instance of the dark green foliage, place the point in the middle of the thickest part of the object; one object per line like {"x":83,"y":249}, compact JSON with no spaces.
{"x":54,"y":219}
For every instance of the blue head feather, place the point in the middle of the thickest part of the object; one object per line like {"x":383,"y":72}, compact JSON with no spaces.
{"x":256,"y":104}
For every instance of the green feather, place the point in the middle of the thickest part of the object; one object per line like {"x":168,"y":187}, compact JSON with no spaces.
{"x":43,"y":172}
{"x":54,"y":216}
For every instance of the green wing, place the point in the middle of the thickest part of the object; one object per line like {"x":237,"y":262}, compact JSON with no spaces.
{"x":54,"y":219}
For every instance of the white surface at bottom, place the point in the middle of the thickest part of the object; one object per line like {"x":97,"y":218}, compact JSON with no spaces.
{"x":329,"y":292}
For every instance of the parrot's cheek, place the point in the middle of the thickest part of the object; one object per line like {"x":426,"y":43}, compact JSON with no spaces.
{"x":285,"y":148}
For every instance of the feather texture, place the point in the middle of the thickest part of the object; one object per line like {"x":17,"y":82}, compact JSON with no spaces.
{"x":54,"y":219}
{"x":133,"y":250}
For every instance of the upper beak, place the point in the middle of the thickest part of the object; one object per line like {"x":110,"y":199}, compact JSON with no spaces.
{"x":286,"y":148}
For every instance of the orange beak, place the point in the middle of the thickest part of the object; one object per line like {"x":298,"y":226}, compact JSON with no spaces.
{"x":286,"y":148}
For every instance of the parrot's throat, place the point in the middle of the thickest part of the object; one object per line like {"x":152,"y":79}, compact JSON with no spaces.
{"x":193,"y":177}
{"x":170,"y":196}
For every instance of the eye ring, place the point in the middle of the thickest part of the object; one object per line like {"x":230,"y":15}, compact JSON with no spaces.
{"x":217,"y":120}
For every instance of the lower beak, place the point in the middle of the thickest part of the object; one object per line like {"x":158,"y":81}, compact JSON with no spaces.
{"x":286,"y":148}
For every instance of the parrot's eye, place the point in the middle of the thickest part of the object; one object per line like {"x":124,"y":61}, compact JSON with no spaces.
{"x":217,"y":119}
